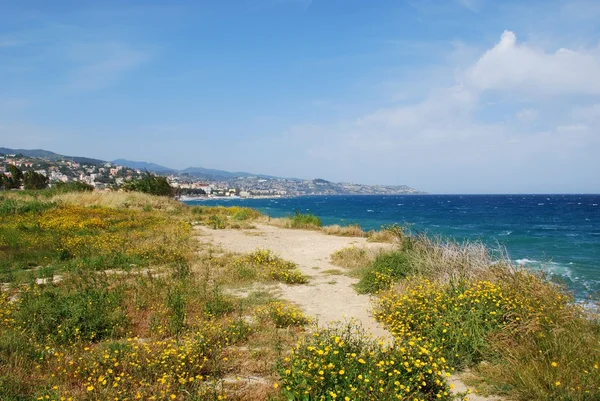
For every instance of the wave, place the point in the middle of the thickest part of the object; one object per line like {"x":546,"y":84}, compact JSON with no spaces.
{"x":525,"y":261}
{"x":370,"y":211}
{"x":505,"y":233}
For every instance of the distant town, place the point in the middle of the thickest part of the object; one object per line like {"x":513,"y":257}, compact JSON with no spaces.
{"x":110,"y":176}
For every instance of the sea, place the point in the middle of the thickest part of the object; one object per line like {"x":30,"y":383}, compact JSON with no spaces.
{"x":559,"y":234}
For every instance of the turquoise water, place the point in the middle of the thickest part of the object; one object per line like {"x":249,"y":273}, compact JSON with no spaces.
{"x":557,"y":233}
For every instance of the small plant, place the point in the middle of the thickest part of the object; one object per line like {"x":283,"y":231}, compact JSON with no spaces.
{"x":351,"y":230}
{"x":176,"y":301}
{"x":353,"y":258}
{"x":283,"y":315}
{"x":300,"y":220}
{"x":216,"y":222}
{"x":263,"y":263}
{"x":386,"y":269}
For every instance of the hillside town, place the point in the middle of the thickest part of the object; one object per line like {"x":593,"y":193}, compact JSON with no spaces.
{"x":109,"y":176}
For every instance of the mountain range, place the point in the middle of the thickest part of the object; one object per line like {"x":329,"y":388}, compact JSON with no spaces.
{"x":207,"y":173}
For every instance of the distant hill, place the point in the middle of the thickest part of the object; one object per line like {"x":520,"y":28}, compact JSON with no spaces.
{"x":157,"y":168}
{"x":50,"y":155}
{"x":216,"y":174}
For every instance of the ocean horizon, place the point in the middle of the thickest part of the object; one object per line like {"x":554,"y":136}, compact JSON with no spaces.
{"x":556,"y":233}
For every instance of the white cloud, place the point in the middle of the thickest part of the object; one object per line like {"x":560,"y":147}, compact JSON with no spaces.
{"x":442,"y":143}
{"x":512,"y":66}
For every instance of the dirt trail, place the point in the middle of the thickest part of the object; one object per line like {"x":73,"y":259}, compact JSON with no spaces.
{"x":327,"y":297}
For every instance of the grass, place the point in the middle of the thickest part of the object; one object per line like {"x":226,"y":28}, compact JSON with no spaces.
{"x":141,"y":312}
{"x":58,"y":235}
{"x":391,"y":234}
{"x":138,"y":314}
{"x":387,"y":268}
{"x":261,"y":265}
{"x":333,"y":272}
{"x":302,"y":220}
{"x":352,"y":230}
{"x":520,"y":334}
{"x":353,"y":258}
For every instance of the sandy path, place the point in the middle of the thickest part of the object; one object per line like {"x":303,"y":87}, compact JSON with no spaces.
{"x":327,"y":297}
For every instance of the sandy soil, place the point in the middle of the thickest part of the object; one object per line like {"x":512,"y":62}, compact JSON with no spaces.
{"x":326,"y":297}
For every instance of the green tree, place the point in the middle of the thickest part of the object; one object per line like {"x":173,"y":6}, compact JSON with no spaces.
{"x":33,"y":180}
{"x":151,"y":184}
{"x":14,"y":180}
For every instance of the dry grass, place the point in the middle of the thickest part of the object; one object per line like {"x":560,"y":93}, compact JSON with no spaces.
{"x":344,"y":231}
{"x":445,"y":260}
{"x":121,"y":200}
{"x":382,"y":236}
{"x":354,"y":258}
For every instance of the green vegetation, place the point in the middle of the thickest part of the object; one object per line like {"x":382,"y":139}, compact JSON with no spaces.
{"x":343,"y":363}
{"x":260,"y":265}
{"x":387,"y":268}
{"x":300,"y":220}
{"x":150,"y":184}
{"x":13,"y":180}
{"x":33,"y":180}
{"x":110,"y":297}
{"x":520,"y":335}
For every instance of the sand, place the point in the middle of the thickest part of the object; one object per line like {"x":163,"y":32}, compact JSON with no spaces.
{"x":328,"y":298}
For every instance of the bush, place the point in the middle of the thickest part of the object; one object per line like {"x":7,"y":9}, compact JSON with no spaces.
{"x":342,"y":363}
{"x":299,"y":220}
{"x":150,"y":184}
{"x":33,"y":180}
{"x":76,"y":186}
{"x":387,"y":268}
{"x":263,"y":263}
{"x":283,"y":315}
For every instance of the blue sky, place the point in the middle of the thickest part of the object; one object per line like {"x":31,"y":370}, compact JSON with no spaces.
{"x":456,"y":96}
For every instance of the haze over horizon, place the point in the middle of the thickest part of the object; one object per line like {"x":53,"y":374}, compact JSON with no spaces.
{"x":459,"y":96}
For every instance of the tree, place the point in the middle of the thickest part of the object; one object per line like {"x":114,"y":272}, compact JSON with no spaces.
{"x":33,"y":180}
{"x":14,"y":180}
{"x":150,"y":184}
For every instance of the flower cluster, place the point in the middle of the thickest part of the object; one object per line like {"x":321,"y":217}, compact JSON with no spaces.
{"x":265,"y":263}
{"x":341,"y":363}
{"x":282,"y":314}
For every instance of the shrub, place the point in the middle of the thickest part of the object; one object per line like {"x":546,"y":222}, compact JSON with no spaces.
{"x":387,"y":268}
{"x":391,"y":233}
{"x":353,"y":258}
{"x":352,"y":230}
{"x":33,"y":180}
{"x":299,"y":220}
{"x":75,"y":186}
{"x":151,"y":184}
{"x":342,"y":363}
{"x":263,"y":263}
{"x":283,"y":315}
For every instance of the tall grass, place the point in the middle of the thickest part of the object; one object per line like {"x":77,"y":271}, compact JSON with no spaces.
{"x":305,"y":220}
{"x":352,"y":230}
{"x":520,"y":333}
